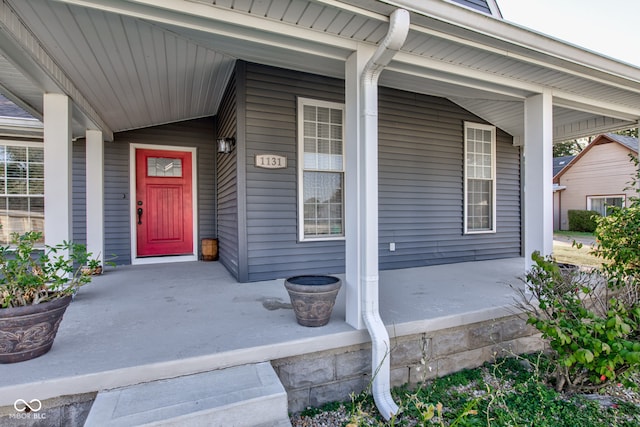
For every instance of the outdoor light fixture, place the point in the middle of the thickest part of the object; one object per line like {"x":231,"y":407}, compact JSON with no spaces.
{"x":226,"y":145}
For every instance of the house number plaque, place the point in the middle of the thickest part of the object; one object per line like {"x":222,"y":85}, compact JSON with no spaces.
{"x":271,"y":161}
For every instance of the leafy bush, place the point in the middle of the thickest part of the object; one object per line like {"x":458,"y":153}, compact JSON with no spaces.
{"x":591,"y":327}
{"x":618,"y":243}
{"x":592,"y":318}
{"x":29,"y":275}
{"x":582,"y":220}
{"x":618,"y":238}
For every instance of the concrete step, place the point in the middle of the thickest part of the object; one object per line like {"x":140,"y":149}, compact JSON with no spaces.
{"x":241,"y":396}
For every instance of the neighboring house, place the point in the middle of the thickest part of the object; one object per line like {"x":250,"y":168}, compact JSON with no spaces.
{"x":596,"y":178}
{"x":261,"y":124}
{"x":559,"y":163}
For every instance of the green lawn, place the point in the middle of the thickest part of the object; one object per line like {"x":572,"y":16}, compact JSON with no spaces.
{"x":509,"y":392}
{"x":565,"y":251}
{"x":574,"y":234}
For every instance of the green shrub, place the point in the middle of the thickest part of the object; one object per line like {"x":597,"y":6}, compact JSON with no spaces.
{"x":618,"y":238}
{"x":592,"y":318}
{"x":591,"y":327}
{"x":582,"y":220}
{"x":618,"y":243}
{"x":32,"y":276}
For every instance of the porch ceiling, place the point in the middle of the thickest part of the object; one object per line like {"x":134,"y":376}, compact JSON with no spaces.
{"x":147,"y":62}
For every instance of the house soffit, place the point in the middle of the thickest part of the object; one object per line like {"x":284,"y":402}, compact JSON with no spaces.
{"x":135,"y":73}
{"x":150,"y":62}
{"x":29,"y":96}
{"x":13,"y":81}
{"x":27,"y":69}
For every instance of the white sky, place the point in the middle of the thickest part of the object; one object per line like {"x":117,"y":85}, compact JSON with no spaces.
{"x":609,"y":27}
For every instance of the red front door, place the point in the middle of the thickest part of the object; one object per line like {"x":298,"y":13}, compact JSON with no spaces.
{"x":163,"y":208}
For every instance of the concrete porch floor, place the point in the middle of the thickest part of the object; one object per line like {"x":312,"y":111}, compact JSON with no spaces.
{"x":140,"y":323}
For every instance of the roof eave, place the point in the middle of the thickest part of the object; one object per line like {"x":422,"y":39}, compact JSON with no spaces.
{"x":568,"y":55}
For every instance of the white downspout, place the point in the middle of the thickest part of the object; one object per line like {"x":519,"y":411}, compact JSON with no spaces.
{"x":381,"y":349}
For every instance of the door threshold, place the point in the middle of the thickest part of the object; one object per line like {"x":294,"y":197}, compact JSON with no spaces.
{"x":163,"y":259}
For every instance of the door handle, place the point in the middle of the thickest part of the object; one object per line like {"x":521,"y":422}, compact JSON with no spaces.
{"x":139,"y":216}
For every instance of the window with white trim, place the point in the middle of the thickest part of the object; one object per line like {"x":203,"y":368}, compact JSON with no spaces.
{"x":601,"y":204}
{"x":479,"y":178}
{"x":21,"y":189}
{"x":320,"y":169}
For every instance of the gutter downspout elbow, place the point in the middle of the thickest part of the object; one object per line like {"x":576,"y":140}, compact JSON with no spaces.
{"x":380,"y":343}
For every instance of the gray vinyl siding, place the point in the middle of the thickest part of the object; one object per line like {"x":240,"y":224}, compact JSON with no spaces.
{"x":117,"y":243}
{"x":421,"y":185}
{"x":421,"y":181}
{"x":271,"y":213}
{"x":480,"y":5}
{"x":227,"y":179}
{"x":198,"y":133}
{"x":79,"y":192}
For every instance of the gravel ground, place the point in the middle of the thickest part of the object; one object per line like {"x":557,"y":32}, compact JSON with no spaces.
{"x":340,"y":418}
{"x":335,"y":418}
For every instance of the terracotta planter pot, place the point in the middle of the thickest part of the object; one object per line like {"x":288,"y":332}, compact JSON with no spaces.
{"x":313,"y":298}
{"x":28,"y":332}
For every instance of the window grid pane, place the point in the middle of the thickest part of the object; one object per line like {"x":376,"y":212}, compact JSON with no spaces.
{"x":479,"y":196}
{"x":35,"y":155}
{"x":323,"y":145}
{"x":16,"y":154}
{"x":480,"y":179}
{"x":323,"y":172}
{"x":21,"y":190}
{"x":323,"y":204}
{"x":479,"y":162}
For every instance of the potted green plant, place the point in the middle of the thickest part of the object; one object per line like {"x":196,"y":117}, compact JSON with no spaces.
{"x":36,"y":287}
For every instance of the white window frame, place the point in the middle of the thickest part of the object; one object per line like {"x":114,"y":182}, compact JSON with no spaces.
{"x":607,"y":196}
{"x":302,"y":102}
{"x":493,"y":216}
{"x":16,"y":143}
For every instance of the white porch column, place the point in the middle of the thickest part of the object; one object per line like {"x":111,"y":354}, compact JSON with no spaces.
{"x":538,"y":174}
{"x":95,"y":193}
{"x":353,"y":200}
{"x":57,"y":168}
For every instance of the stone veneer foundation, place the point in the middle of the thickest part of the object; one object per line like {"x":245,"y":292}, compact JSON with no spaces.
{"x":317,"y":378}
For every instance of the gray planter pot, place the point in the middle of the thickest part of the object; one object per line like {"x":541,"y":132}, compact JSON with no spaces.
{"x":28,"y":332}
{"x":313,"y":298}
